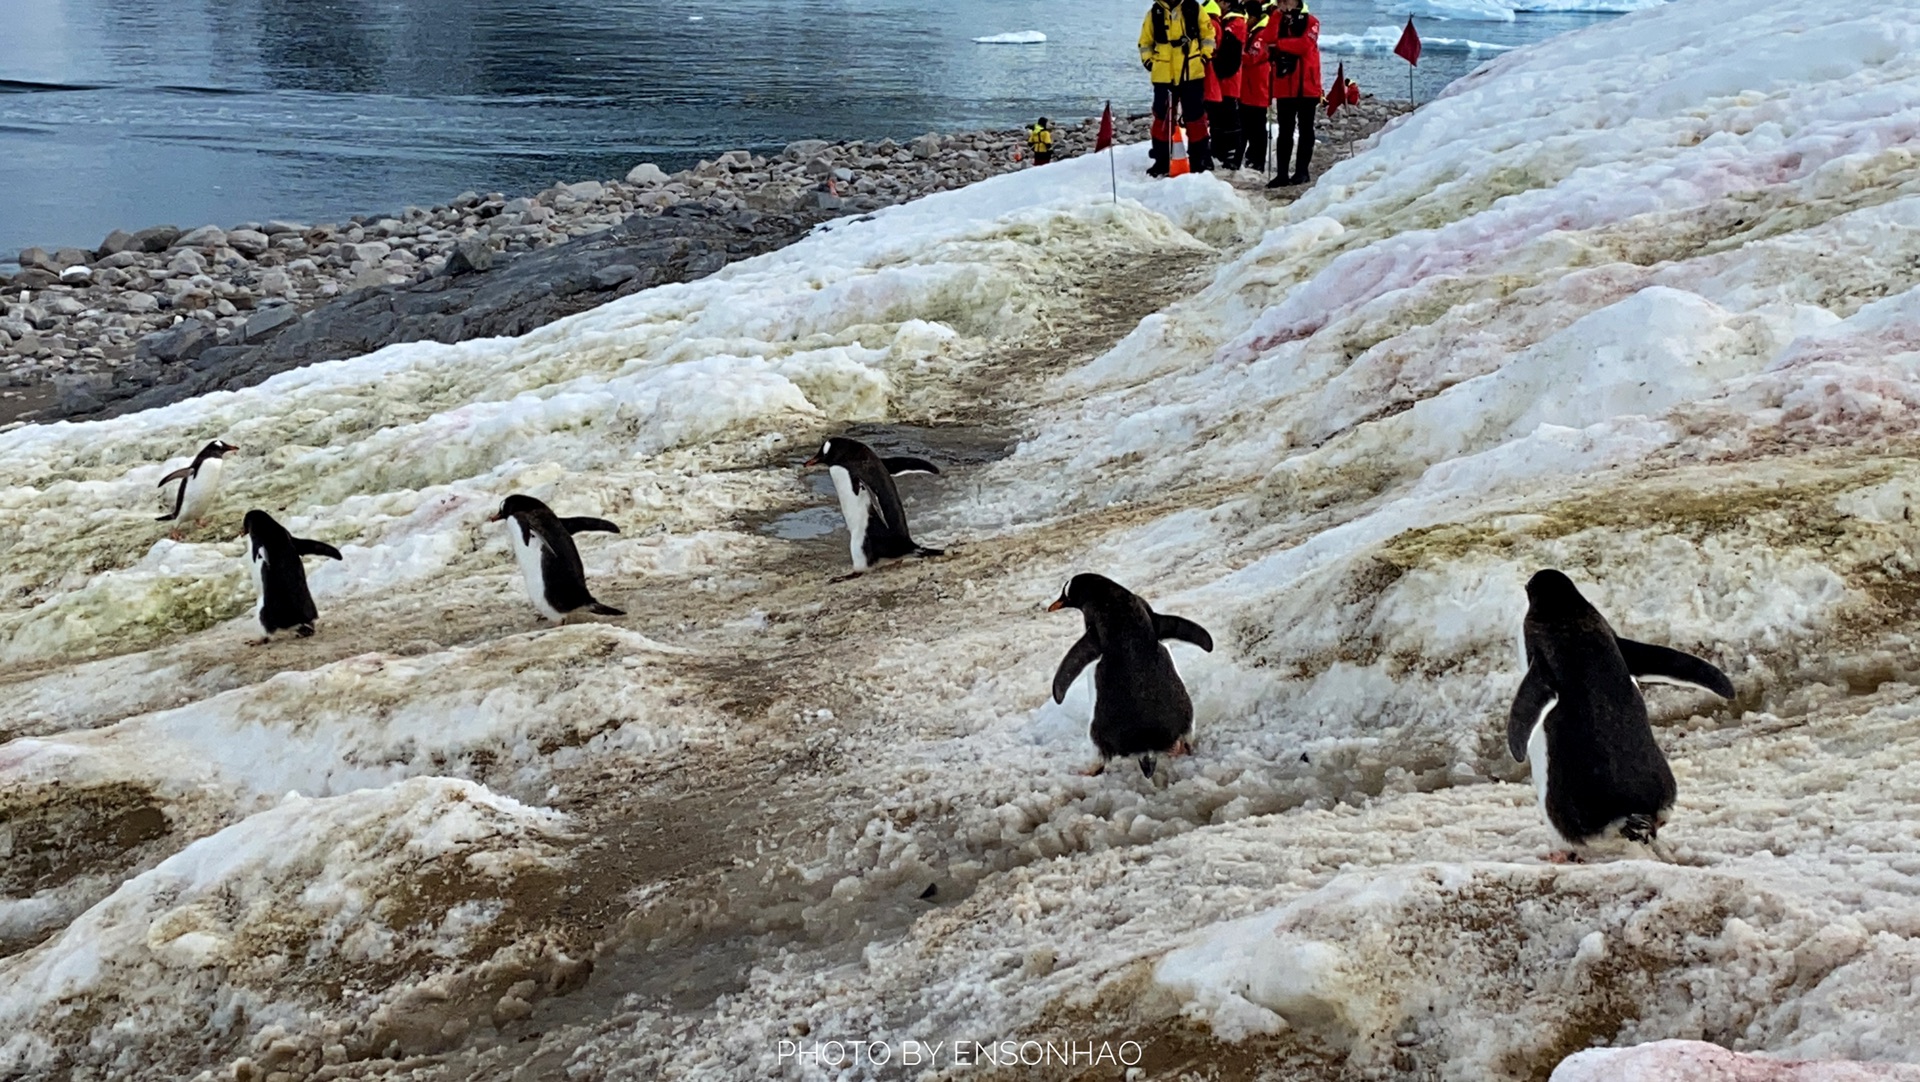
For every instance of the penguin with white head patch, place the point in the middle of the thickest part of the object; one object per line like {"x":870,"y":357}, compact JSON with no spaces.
{"x":1140,"y":706}
{"x":543,"y":546}
{"x":199,"y":484}
{"x":278,"y":576}
{"x":1580,"y":720}
{"x":876,"y":521}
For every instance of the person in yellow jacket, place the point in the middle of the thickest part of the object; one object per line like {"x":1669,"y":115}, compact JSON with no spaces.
{"x":1040,"y":141}
{"x":1176,"y":40}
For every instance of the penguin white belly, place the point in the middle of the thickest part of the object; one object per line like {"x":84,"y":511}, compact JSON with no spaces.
{"x":257,"y":563}
{"x":527,"y":552}
{"x":854,"y":507}
{"x":202,"y":485}
{"x":1537,"y":761}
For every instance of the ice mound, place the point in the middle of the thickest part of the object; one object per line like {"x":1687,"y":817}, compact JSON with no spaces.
{"x":1697,"y":1061}
{"x":283,"y":922}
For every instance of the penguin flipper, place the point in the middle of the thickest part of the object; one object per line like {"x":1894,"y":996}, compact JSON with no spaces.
{"x":583,"y":524}
{"x":908,"y":464}
{"x":1178,"y":627}
{"x":1663,"y":665}
{"x":1530,"y":704}
{"x":304,"y":547}
{"x":1079,"y":656}
{"x":182,"y":475}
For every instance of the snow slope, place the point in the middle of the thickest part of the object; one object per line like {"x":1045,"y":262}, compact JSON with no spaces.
{"x":1649,"y":317}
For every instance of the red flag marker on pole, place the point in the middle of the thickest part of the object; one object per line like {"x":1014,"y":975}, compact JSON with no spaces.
{"x":1104,"y":141}
{"x":1409,"y":50}
{"x":1338,"y":95}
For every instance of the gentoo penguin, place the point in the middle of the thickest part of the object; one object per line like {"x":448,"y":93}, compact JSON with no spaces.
{"x":274,"y":554}
{"x":543,"y":545}
{"x":199,"y":483}
{"x":876,"y":523}
{"x":1140,"y":707}
{"x":1579,"y":719}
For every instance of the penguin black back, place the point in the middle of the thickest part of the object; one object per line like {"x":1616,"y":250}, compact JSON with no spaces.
{"x":876,"y":520}
{"x":281,"y":580}
{"x":549,"y":560}
{"x":1580,"y":716}
{"x":1140,"y":704}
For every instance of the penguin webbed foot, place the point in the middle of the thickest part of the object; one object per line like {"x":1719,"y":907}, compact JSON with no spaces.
{"x":305,"y":631}
{"x":848,"y":577}
{"x":1565,"y":856}
{"x":1182,"y":746}
{"x":1098,"y":768}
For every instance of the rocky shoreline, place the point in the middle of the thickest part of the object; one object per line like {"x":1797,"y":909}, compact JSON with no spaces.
{"x":162,"y":314}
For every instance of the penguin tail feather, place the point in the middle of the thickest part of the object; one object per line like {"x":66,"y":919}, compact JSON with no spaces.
{"x":164,"y":518}
{"x":305,"y":631}
{"x":605,"y":610}
{"x":922,"y":550}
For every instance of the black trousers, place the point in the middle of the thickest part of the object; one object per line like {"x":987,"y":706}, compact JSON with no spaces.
{"x":1223,"y":124}
{"x":1296,"y":127}
{"x":1253,"y":136}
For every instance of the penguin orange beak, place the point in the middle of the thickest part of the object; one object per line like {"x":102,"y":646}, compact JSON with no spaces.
{"x":495,"y":517}
{"x":1057,"y":605}
{"x":814,"y":461}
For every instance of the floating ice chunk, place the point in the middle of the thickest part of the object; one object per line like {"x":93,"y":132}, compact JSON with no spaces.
{"x":1017,"y":37}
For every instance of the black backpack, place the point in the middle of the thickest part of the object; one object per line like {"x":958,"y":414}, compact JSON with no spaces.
{"x":1189,"y":14}
{"x":1226,"y":55}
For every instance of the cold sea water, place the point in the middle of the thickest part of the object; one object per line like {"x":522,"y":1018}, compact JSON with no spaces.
{"x":128,"y":113}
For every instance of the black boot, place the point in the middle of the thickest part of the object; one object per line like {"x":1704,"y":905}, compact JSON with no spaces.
{"x":1200,"y":158}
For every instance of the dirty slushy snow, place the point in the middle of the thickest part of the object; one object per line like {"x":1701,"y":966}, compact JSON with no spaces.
{"x":1641,"y":303}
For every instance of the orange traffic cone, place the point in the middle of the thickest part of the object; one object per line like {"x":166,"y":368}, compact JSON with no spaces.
{"x":1177,"y":152}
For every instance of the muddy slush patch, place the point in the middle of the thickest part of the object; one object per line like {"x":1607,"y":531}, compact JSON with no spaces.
{"x":955,"y":449}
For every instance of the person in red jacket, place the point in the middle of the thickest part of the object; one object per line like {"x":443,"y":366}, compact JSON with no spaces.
{"x":1256,"y":85}
{"x":1223,"y":71}
{"x":1294,"y":55}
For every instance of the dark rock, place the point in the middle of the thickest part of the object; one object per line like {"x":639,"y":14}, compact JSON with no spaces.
{"x":156,"y":238}
{"x":34,"y":278}
{"x":267,"y":322}
{"x":804,"y":149}
{"x":117,"y":241}
{"x":515,"y":296}
{"x":470,"y":255}
{"x":216,"y":357}
{"x":610,"y":276}
{"x":182,"y":342}
{"x":80,"y":393}
{"x":207,"y":236}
